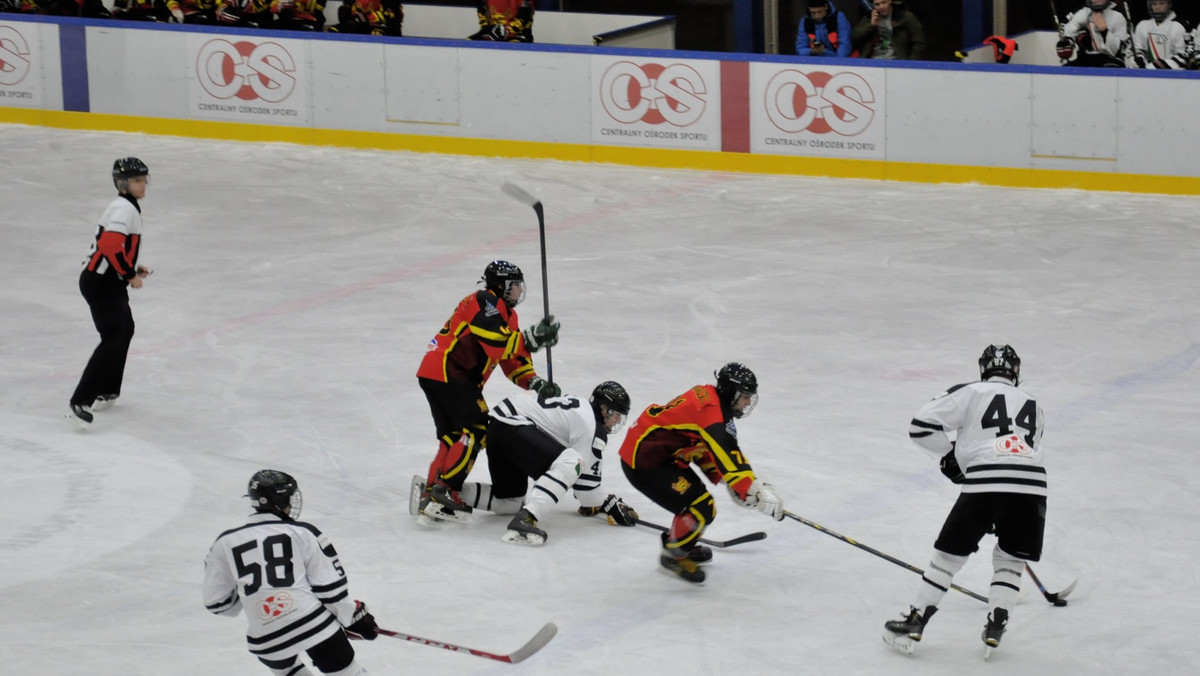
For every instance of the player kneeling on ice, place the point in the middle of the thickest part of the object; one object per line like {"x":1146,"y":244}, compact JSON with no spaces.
{"x":559,"y":443}
{"x":696,"y":428}
{"x":997,"y":458}
{"x":287,"y":576}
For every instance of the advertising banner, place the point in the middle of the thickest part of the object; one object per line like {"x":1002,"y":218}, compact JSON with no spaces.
{"x":817,"y":110}
{"x":656,"y":103}
{"x":260,"y":80}
{"x":20,"y":64}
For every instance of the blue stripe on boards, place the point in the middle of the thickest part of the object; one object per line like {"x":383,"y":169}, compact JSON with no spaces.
{"x":72,"y":45}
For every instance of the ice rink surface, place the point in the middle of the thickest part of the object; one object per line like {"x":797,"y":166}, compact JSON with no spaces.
{"x":295,"y":289}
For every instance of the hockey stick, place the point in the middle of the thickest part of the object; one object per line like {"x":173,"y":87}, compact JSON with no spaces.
{"x":531,"y":646}
{"x":1059,"y":599}
{"x":878,"y":553}
{"x":719,"y":544}
{"x":524,"y":197}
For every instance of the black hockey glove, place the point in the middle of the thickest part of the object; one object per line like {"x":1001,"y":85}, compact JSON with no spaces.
{"x":619,"y":513}
{"x":363,"y":622}
{"x":542,"y":334}
{"x":544,"y":388}
{"x":949,"y":467}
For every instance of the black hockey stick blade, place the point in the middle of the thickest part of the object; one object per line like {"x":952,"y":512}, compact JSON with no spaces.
{"x":719,"y":544}
{"x":1059,"y":599}
{"x":520,"y":194}
{"x":531,"y":646}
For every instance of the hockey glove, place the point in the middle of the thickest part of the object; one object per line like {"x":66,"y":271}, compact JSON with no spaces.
{"x":544,"y":388}
{"x":768,"y":501}
{"x":542,"y":334}
{"x":949,"y":467}
{"x":1065,"y":48}
{"x":619,"y":513}
{"x":363,"y":622}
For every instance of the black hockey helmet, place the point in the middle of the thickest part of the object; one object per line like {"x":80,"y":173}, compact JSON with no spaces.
{"x":1162,"y":12}
{"x":1000,"y":360}
{"x":274,"y":491}
{"x":610,"y":393}
{"x":126,"y":168}
{"x":500,"y":277}
{"x":735,"y":380}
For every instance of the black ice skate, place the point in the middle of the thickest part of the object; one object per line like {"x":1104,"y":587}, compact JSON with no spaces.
{"x":904,"y":634}
{"x":700,"y":554}
{"x":80,"y":416}
{"x":993,"y":630}
{"x":523,"y":530}
{"x":444,"y":505}
{"x":682,"y":565}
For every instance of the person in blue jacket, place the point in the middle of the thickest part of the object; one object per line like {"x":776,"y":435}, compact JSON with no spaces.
{"x":824,"y":32}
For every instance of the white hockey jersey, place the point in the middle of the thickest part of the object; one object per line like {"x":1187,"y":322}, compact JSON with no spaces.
{"x":1165,"y":42}
{"x":286,"y":576}
{"x":572,"y":423}
{"x":998,"y":436}
{"x":1111,"y":41}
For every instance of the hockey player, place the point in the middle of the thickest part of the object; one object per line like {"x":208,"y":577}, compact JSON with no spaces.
{"x":996,"y":456}
{"x":370,"y":17}
{"x":696,"y":428}
{"x":504,"y":21}
{"x":110,"y":268}
{"x":558,"y":442}
{"x":1161,"y":42}
{"x":286,"y":575}
{"x":1101,"y":34}
{"x":482,"y":333}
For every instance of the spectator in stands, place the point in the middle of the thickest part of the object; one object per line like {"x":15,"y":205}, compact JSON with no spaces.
{"x":249,"y":13}
{"x":505,"y":21}
{"x":1095,"y":36}
{"x":824,"y":32}
{"x":1161,"y":42}
{"x":889,"y":32}
{"x":370,"y":17}
{"x":202,"y":12}
{"x":299,"y":15}
{"x":140,"y":10}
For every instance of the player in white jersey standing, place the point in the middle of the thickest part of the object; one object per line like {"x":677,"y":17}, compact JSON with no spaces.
{"x":558,"y":442}
{"x":286,"y":575}
{"x":111,"y":267}
{"x":996,"y":456}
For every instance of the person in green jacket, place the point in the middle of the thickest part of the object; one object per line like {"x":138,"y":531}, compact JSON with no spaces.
{"x":889,"y":32}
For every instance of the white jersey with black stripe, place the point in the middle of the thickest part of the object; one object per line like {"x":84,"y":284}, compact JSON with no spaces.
{"x":286,"y":575}
{"x":570,"y":421}
{"x":997,"y":432}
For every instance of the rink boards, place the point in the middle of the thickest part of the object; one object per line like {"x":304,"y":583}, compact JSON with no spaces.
{"x":930,"y":122}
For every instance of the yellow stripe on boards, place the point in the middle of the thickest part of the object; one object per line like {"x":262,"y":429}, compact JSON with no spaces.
{"x":665,"y":158}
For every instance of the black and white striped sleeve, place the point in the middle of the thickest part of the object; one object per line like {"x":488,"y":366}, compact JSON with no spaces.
{"x":220,"y":587}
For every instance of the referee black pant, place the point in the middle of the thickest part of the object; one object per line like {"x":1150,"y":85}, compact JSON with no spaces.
{"x":108,"y":299}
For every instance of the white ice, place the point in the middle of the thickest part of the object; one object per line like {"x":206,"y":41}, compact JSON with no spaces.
{"x":295,"y":289}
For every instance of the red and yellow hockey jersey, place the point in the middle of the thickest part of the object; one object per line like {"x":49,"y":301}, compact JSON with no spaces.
{"x":482,"y":333}
{"x":691,"y":429}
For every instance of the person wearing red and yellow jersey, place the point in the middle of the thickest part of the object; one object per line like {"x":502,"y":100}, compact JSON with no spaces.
{"x":111,"y":267}
{"x":504,"y":21}
{"x":483,"y":333}
{"x":696,"y":428}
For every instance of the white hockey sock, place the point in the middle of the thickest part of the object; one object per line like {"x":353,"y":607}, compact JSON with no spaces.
{"x":937,"y":578}
{"x":1006,"y":580}
{"x":549,"y":488}
{"x":479,"y":496}
{"x":355,"y":669}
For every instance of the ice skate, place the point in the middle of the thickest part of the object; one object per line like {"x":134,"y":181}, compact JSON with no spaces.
{"x":80,"y":416}
{"x":905,"y":633}
{"x":700,"y":554}
{"x":444,"y":505}
{"x":416,"y":495}
{"x":993,"y":630}
{"x":104,"y":402}
{"x":683,"y":566}
{"x":523,"y":530}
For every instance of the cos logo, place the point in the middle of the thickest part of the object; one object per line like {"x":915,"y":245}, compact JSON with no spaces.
{"x":820,"y":102}
{"x":246,"y":70}
{"x":653,"y":93}
{"x":14,"y":56}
